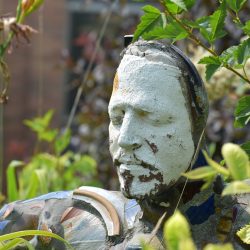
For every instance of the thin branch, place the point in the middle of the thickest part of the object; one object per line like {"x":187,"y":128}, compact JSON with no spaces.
{"x":237,"y":73}
{"x":86,"y":75}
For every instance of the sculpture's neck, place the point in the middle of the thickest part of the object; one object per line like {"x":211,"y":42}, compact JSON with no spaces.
{"x":168,"y":201}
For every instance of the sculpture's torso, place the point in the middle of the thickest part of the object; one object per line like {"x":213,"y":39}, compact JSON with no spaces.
{"x":87,"y":219}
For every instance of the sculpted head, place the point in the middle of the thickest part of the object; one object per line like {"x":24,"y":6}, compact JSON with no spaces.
{"x":157,"y":111}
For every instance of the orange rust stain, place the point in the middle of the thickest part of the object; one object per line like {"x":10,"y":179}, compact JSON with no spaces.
{"x":45,"y":239}
{"x":8,"y":211}
{"x":70,"y":213}
{"x":115,"y":83}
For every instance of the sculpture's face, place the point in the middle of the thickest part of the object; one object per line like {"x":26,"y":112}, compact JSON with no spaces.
{"x":150,"y":131}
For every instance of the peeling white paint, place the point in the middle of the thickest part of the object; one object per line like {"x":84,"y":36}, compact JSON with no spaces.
{"x":146,"y":107}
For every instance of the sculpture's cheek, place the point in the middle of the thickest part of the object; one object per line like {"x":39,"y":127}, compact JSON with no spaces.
{"x":113,"y":137}
{"x":153,"y":146}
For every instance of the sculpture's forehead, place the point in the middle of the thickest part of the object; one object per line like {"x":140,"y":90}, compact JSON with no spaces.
{"x":131,"y":64}
{"x":146,"y":79}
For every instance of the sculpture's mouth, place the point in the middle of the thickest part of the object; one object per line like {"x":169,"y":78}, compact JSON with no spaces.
{"x":140,"y":163}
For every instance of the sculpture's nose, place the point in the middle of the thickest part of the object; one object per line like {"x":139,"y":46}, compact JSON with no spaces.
{"x":129,"y":133}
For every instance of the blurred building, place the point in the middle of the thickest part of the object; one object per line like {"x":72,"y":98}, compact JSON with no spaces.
{"x":46,"y":73}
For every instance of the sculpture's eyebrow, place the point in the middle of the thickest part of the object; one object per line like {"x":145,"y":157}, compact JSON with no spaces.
{"x":142,"y":108}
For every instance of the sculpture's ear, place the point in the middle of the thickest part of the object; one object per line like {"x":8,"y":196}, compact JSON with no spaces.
{"x":127,"y":40}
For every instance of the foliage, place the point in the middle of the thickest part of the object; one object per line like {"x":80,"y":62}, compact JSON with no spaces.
{"x":244,"y":234}
{"x":11,"y":27}
{"x":242,"y":112}
{"x":150,"y":19}
{"x":177,"y":233}
{"x":56,"y":169}
{"x":177,"y":236}
{"x":237,"y":169}
{"x":13,"y":240}
{"x":207,"y":29}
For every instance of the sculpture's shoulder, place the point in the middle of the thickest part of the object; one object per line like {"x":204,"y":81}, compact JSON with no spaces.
{"x":216,"y":219}
{"x":241,"y":217}
{"x":88,"y":217}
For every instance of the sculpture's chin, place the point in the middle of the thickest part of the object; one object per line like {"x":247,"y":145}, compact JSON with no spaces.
{"x":141,"y":192}
{"x":132,"y":195}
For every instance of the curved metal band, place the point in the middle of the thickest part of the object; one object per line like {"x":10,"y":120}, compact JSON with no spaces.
{"x":107,"y":204}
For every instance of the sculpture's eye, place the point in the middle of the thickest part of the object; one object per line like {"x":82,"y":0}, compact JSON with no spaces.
{"x":143,"y":113}
{"x":116,"y":117}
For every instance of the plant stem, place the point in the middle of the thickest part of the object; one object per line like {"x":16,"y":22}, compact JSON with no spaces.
{"x":237,"y":73}
{"x":244,"y":70}
{"x":6,"y":45}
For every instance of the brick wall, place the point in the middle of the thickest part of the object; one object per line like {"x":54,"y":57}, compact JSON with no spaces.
{"x":36,"y":76}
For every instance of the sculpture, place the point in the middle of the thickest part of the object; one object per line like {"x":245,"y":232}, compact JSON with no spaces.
{"x":158,"y":111}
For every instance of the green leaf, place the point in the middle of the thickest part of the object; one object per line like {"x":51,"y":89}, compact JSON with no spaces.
{"x":236,"y":187}
{"x":180,"y":3}
{"x":208,"y":182}
{"x":41,"y":176}
{"x":62,"y":142}
{"x":146,"y":246}
{"x":205,"y":27}
{"x":187,"y":244}
{"x":178,"y":6}
{"x":229,"y":56}
{"x":172,"y":7}
{"x":210,"y":70}
{"x":200,"y":173}
{"x":217,"y":20}
{"x":86,"y":165}
{"x":217,"y":167}
{"x":212,"y":27}
{"x":212,"y":65}
{"x":227,"y":246}
{"x":32,"y":189}
{"x":177,"y":231}
{"x":48,"y":135}
{"x":246,"y":147}
{"x":172,"y":31}
{"x":244,"y":234}
{"x":209,"y":60}
{"x":148,"y":21}
{"x":246,"y":28}
{"x":39,"y":124}
{"x":236,"y":5}
{"x":191,"y":23}
{"x":242,"y":112}
{"x":12,"y":190}
{"x":243,"y":51}
{"x":13,"y":244}
{"x":236,"y":160}
{"x":25,"y":233}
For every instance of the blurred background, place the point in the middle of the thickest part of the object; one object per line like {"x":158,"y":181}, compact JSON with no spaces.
{"x":47,"y":73}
